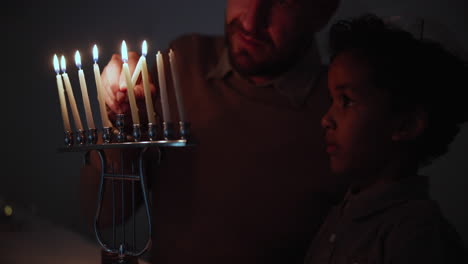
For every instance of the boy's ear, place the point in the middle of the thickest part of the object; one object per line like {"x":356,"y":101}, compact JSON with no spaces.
{"x":411,"y":125}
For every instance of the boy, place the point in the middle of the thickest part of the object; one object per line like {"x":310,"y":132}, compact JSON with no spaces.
{"x":397,"y":103}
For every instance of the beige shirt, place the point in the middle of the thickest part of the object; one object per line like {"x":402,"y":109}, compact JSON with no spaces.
{"x":257,"y":185}
{"x":392,"y":223}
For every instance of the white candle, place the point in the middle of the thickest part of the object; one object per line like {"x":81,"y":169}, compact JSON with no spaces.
{"x":100,"y":91}
{"x":162,"y":88}
{"x":71,"y":97}
{"x":137,"y":71}
{"x":61,"y":92}
{"x":128,"y":79}
{"x":178,"y":91}
{"x":146,"y":84}
{"x":84,"y":92}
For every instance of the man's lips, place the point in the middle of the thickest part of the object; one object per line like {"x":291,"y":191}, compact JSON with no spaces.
{"x":250,"y":41}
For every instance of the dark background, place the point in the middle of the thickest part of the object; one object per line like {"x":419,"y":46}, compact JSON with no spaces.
{"x":35,"y":175}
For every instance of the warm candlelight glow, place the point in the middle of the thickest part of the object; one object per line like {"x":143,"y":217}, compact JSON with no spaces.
{"x":84,"y":92}
{"x":97,"y":77}
{"x":144,"y":48}
{"x":137,"y":71}
{"x":56,"y":64}
{"x":95,"y":53}
{"x":61,"y":92}
{"x":146,"y":85}
{"x":71,"y":97}
{"x":78,"y":59}
{"x":128,"y":78}
{"x":124,"y":52}
{"x":63,"y":64}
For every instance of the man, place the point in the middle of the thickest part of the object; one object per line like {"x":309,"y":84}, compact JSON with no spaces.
{"x":256,"y":187}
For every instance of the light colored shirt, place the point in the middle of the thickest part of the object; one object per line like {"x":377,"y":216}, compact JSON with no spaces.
{"x":392,"y":223}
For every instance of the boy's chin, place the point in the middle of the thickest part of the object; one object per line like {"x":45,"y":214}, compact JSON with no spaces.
{"x":340,"y":169}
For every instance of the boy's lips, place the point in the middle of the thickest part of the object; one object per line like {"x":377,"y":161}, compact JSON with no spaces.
{"x":331,"y":145}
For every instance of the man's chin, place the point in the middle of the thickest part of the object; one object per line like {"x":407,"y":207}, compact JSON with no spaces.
{"x":248,"y":65}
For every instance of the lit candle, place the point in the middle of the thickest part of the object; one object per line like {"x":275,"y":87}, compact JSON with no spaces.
{"x":84,"y":92}
{"x":128,"y":79}
{"x":146,"y":84}
{"x":175,"y":80}
{"x":61,"y":92}
{"x":137,"y":71}
{"x":162,"y":88}
{"x":71,"y":97}
{"x":100,"y":91}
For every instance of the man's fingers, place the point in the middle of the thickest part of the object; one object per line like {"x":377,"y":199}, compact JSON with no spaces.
{"x":132,"y":60}
{"x":140,"y":91}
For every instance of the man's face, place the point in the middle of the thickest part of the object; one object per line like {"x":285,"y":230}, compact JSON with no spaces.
{"x":265,"y":36}
{"x":358,"y":124}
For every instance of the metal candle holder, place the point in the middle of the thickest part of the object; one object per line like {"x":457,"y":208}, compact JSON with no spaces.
{"x":68,"y":140}
{"x":120,"y":123}
{"x":92,"y":136}
{"x":184,"y":130}
{"x":168,"y":130}
{"x":124,"y":249}
{"x":107,"y":134}
{"x":152,"y":132}
{"x":81,"y":136}
{"x":136,"y":132}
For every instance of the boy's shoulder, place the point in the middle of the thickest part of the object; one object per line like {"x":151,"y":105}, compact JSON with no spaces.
{"x":420,"y":232}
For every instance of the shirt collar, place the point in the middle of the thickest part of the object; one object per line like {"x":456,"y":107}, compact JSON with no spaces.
{"x":294,"y":84}
{"x":379,"y":198}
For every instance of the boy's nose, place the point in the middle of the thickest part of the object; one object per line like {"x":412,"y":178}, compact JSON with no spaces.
{"x":327,"y":121}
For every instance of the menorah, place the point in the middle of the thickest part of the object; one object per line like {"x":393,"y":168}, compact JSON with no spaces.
{"x":122,"y":251}
{"x":122,"y":137}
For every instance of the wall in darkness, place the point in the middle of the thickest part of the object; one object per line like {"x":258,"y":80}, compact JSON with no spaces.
{"x":35,"y":173}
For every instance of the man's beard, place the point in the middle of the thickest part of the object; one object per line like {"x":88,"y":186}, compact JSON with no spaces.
{"x":272,"y":63}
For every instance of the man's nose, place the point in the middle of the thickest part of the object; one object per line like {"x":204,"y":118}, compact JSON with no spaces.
{"x":255,"y":15}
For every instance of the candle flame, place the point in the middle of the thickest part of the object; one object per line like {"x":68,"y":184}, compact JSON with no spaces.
{"x":144,"y":48}
{"x":63,"y":64}
{"x":95,"y":53}
{"x":56,"y":64}
{"x":78,"y":59}
{"x":124,"y":52}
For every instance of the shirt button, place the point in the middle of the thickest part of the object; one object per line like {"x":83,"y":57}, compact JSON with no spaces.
{"x":332,"y":238}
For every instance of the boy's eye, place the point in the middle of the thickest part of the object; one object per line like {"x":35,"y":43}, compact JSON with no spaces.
{"x":346,"y":101}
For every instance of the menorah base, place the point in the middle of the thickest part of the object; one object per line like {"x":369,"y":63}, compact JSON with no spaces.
{"x":113,"y":258}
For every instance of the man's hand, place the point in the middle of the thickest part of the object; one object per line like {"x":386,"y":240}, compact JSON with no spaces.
{"x":115,"y":86}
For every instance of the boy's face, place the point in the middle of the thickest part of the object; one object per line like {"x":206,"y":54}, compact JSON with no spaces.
{"x":358,"y":124}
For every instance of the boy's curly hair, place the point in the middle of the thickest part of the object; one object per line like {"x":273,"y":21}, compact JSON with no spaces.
{"x":417,"y":73}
